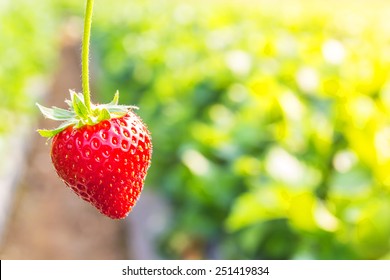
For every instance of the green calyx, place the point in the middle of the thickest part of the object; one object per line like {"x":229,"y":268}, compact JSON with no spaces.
{"x":81,"y":111}
{"x":79,"y":114}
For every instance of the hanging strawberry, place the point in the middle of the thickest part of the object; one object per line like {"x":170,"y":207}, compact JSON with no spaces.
{"x":101,"y":152}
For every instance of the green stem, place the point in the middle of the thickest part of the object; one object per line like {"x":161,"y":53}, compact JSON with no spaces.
{"x":85,"y":54}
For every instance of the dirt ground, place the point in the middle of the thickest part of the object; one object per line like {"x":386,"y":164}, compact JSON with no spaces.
{"x":48,"y":220}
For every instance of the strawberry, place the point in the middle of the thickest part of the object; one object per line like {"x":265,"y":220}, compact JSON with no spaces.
{"x":102,"y":154}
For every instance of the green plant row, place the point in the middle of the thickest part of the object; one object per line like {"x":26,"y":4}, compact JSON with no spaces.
{"x":270,"y":122}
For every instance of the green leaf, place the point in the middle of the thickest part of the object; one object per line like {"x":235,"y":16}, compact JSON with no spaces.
{"x":117,"y":108}
{"x":79,"y":105}
{"x":49,"y":133}
{"x":55,"y":113}
{"x":69,"y":102}
{"x":104,"y":114}
{"x":115,"y":100}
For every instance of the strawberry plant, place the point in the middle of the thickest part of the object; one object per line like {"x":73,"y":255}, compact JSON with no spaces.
{"x":101,"y":151}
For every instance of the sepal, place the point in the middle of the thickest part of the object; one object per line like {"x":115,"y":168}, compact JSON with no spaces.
{"x":79,"y":114}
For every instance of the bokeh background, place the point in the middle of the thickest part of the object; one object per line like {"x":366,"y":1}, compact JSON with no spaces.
{"x":270,"y":119}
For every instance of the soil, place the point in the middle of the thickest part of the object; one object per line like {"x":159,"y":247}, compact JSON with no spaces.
{"x":49,"y":221}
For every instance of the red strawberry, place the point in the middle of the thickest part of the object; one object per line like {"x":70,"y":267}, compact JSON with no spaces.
{"x":105,"y":164}
{"x":101,"y":152}
{"x":102,"y":155}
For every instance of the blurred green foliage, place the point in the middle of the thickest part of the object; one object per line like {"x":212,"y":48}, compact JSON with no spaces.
{"x":27,"y":54}
{"x":270,"y":120}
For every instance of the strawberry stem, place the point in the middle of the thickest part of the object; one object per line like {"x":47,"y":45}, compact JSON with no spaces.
{"x":85,"y":54}
{"x":81,"y":112}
